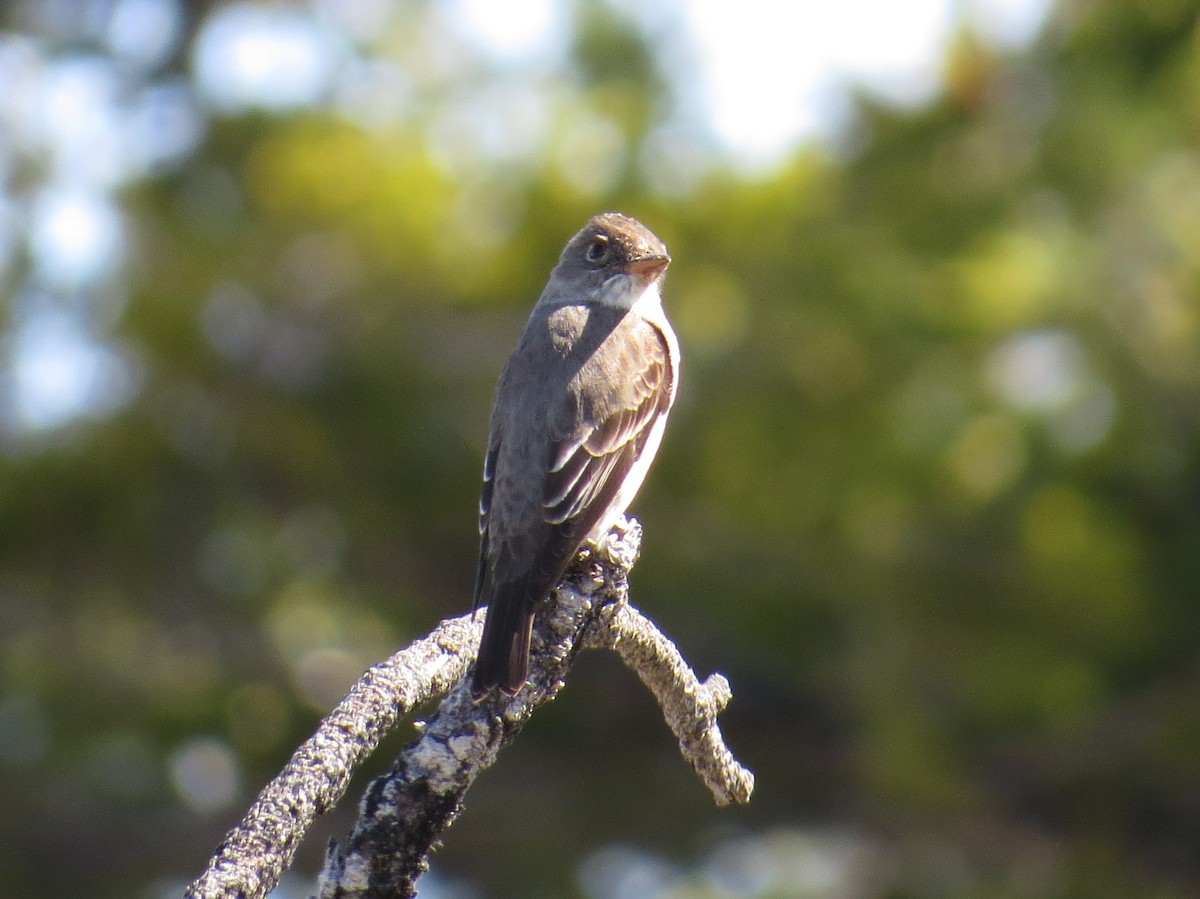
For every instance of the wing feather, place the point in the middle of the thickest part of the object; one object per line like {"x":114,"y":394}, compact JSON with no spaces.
{"x":602,"y":435}
{"x":597,"y":431}
{"x":485,"y":511}
{"x":485,"y":492}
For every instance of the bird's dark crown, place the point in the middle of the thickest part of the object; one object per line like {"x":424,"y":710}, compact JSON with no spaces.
{"x":611,"y":240}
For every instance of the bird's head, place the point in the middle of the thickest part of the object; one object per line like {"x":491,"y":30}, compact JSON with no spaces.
{"x":614,"y":260}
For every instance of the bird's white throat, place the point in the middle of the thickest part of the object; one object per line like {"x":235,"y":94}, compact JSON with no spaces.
{"x":629,"y":292}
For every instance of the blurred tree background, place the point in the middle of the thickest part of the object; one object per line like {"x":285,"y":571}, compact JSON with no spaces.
{"x":930,"y":496}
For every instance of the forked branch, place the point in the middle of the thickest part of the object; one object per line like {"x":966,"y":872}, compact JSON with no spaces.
{"x":405,"y":811}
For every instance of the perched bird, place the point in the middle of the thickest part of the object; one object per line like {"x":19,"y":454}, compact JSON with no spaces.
{"x":578,"y":416}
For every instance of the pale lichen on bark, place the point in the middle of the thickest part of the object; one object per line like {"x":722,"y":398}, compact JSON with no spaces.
{"x":404,"y":812}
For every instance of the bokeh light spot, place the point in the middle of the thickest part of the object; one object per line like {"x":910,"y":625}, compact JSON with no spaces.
{"x":625,"y":872}
{"x":1086,"y":421}
{"x":988,"y":457}
{"x":58,"y":372}
{"x":74,"y":236}
{"x":1045,"y":373}
{"x":766,"y":85}
{"x":233,"y":320}
{"x":1038,"y":371}
{"x":325,"y":675}
{"x":591,"y":153}
{"x":205,"y":774}
{"x":274,"y":58}
{"x":145,"y":31}
{"x":513,"y":30}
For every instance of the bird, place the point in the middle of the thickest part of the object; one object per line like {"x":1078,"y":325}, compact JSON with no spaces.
{"x":578,"y":415}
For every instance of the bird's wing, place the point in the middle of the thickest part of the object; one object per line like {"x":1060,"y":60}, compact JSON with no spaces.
{"x":599,"y":428}
{"x":485,"y":511}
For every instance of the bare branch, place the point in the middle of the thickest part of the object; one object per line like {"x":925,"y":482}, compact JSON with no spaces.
{"x":253,"y":855}
{"x":404,"y":812}
{"x":689,"y":707}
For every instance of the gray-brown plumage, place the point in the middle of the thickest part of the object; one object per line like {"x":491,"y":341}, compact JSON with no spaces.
{"x":578,"y":415}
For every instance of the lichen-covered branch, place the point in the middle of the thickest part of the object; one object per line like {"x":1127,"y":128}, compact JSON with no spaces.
{"x":404,"y":812}
{"x":253,"y":855}
{"x":689,"y":706}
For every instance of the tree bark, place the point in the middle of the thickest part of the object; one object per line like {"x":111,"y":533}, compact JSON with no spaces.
{"x":405,"y":811}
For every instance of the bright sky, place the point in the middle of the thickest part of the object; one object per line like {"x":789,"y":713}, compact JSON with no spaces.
{"x":763,"y":75}
{"x":767,"y":73}
{"x":770,"y":71}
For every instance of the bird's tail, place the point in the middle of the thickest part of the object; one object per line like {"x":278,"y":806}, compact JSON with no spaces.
{"x":504,"y":649}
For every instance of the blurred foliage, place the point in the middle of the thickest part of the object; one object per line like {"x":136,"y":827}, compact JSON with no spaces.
{"x":930,"y":498}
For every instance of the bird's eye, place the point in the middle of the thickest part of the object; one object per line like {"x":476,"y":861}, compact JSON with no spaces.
{"x":597,"y":251}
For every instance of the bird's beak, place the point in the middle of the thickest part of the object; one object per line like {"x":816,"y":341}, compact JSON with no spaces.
{"x":649,"y":268}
